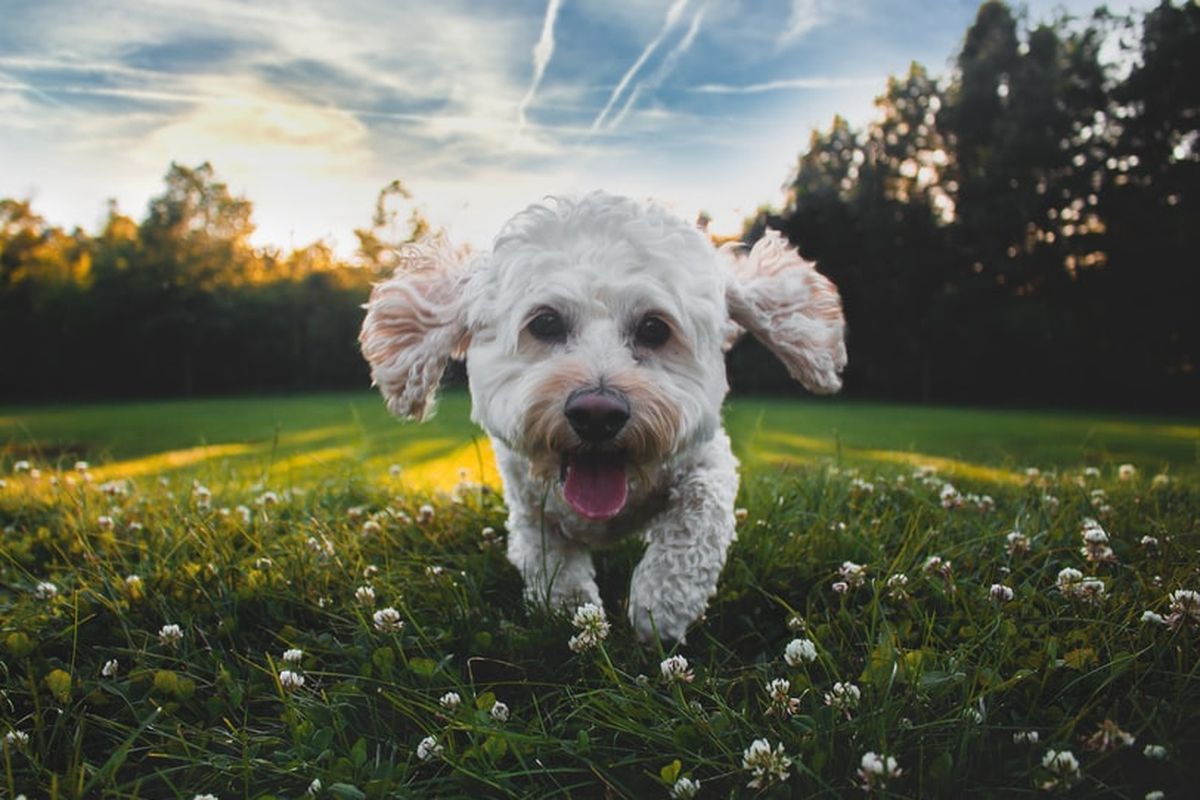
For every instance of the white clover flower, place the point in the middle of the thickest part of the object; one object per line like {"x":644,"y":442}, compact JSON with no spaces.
{"x":450,"y":701}
{"x":1016,"y":543}
{"x":293,"y":655}
{"x":365,"y":595}
{"x":844,"y":697}
{"x":1185,"y":609}
{"x":1152,"y":617}
{"x":370,"y":571}
{"x":674,"y":669}
{"x":170,"y":635}
{"x":939,"y":567}
{"x":499,"y":711}
{"x":684,"y":788}
{"x":853,"y":574}
{"x":740,"y":514}
{"x":1149,"y":542}
{"x":433,"y":570}
{"x":244,"y":513}
{"x":205,"y":797}
{"x":394,"y":470}
{"x":3,"y":483}
{"x":1051,"y":502}
{"x":841,"y":587}
{"x":799,"y":651}
{"x":897,"y":586}
{"x":17,"y":738}
{"x":371,"y":528}
{"x":1091,"y":472}
{"x":110,"y":668}
{"x":859,"y":486}
{"x":1063,"y":768}
{"x":1091,"y":590}
{"x":1155,"y":794}
{"x":592,"y":626}
{"x":1032,"y":473}
{"x":779,"y":699}
{"x":21,"y":466}
{"x":767,"y":766}
{"x":1155,"y":752}
{"x":314,"y":788}
{"x":133,"y":582}
{"x":1025,"y":737}
{"x":1068,"y":581}
{"x":267,"y":499}
{"x":429,"y":749}
{"x":425,"y":514}
{"x":999,"y":593}
{"x":387,"y":620}
{"x":1108,"y":737}
{"x":1126,"y":472}
{"x":45,"y":590}
{"x":291,"y":681}
{"x":1160,"y":480}
{"x":950,"y":497}
{"x":322,"y":547}
{"x":876,"y":770}
{"x":796,"y":624}
{"x":104,"y":522}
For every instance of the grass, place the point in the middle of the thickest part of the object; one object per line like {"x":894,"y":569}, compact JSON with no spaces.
{"x":251,"y":524}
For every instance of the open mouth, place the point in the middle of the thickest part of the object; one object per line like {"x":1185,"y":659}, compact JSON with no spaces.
{"x":594,"y":483}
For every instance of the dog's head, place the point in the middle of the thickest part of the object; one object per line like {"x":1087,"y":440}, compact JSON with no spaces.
{"x":594,"y":333}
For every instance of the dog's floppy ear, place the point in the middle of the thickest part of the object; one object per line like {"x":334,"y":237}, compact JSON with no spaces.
{"x":416,"y":321}
{"x":792,"y":309}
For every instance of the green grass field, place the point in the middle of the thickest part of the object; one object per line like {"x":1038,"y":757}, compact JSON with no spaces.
{"x":253,"y":525}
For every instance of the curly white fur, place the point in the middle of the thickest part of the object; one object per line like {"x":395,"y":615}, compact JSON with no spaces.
{"x":603,"y":265}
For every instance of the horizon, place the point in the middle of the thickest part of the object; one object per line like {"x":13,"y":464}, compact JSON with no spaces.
{"x":477,"y":112}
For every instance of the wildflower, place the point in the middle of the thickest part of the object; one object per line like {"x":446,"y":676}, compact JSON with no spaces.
{"x":433,"y":570}
{"x":203,"y":496}
{"x":21,"y":466}
{"x":3,"y":483}
{"x":853,"y":574}
{"x":133,"y":584}
{"x":1063,"y":768}
{"x":429,"y":749}
{"x":778,"y":698}
{"x":263,"y":562}
{"x":1155,"y":794}
{"x":1126,"y":472}
{"x":365,"y":595}
{"x":939,"y":567}
{"x":1095,"y":543}
{"x":425,"y":514}
{"x":1149,"y":542}
{"x":104,"y":523}
{"x":115,"y":488}
{"x":1154,"y":752}
{"x":355,"y":513}
{"x":293,"y":656}
{"x":244,"y":513}
{"x":684,"y":788}
{"x":841,"y":587}
{"x":18,"y":738}
{"x":1091,"y":590}
{"x":860,"y":487}
{"x":740,"y":514}
{"x":1091,"y":472}
{"x":291,"y":681}
{"x":897,"y":586}
{"x":1108,"y":736}
{"x":1160,"y":480}
{"x":999,"y":593}
{"x":450,"y":701}
{"x":170,"y":635}
{"x":1016,"y":543}
{"x":205,"y":797}
{"x":499,"y":711}
{"x":592,"y":625}
{"x":371,"y":528}
{"x":876,"y":770}
{"x":45,"y":590}
{"x":1025,"y":737}
{"x":844,"y":697}
{"x":1051,"y":502}
{"x":767,"y":767}
{"x":973,"y":715}
{"x":1032,"y":474}
{"x":314,"y":788}
{"x":1150,"y":616}
{"x":1185,"y":609}
{"x":950,"y":497}
{"x":394,"y":470}
{"x":675,"y":668}
{"x":109,"y":670}
{"x":799,"y":651}
{"x":1068,"y":581}
{"x":322,"y":546}
{"x":267,"y":499}
{"x":489,"y":538}
{"x":387,"y":620}
{"x":983,"y":503}
{"x":796,"y":624}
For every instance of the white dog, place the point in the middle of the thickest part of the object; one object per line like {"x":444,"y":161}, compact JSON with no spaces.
{"x":593,"y":334}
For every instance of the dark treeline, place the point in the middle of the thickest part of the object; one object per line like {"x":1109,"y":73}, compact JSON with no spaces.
{"x":1024,"y":230}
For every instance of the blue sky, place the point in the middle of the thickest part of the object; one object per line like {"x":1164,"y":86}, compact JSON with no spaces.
{"x":479,"y":107}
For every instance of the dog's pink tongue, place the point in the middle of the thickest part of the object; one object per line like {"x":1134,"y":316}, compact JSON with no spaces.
{"x":595,"y":485}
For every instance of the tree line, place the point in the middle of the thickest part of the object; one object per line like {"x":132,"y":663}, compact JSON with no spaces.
{"x":1023,"y":230}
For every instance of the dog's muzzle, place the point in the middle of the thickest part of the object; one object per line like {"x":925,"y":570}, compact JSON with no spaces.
{"x":596,"y":416}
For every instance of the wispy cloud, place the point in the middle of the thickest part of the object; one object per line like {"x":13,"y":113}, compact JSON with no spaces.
{"x":673,"y":14}
{"x":664,"y":69}
{"x":788,"y":84}
{"x":805,"y":15}
{"x":542,"y":52}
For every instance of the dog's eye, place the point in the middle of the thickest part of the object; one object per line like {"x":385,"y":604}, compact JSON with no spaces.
{"x":548,"y":326}
{"x":652,"y":332}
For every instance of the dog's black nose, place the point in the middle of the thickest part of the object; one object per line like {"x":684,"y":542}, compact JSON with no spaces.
{"x":597,"y":416}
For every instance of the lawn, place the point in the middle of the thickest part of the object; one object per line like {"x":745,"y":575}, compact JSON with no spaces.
{"x":241,"y":598}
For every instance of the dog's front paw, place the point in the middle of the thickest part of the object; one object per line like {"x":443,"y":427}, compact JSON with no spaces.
{"x":651,"y":615}
{"x":562,"y":592}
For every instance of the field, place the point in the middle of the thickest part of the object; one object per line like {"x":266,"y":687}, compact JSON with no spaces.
{"x":969,"y":590}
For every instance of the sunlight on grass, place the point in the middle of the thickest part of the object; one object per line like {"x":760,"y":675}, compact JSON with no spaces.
{"x":169,"y":460}
{"x":473,"y":462}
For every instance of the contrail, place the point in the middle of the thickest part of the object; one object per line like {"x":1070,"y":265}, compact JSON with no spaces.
{"x":542,"y":52}
{"x":664,"y":69}
{"x":673,"y":14}
{"x":787,"y":84}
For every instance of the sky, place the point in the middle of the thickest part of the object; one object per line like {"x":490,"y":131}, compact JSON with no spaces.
{"x":480,"y":108}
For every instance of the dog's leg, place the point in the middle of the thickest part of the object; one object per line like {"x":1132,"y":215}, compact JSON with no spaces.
{"x":557,"y":572}
{"x":686,"y":547}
